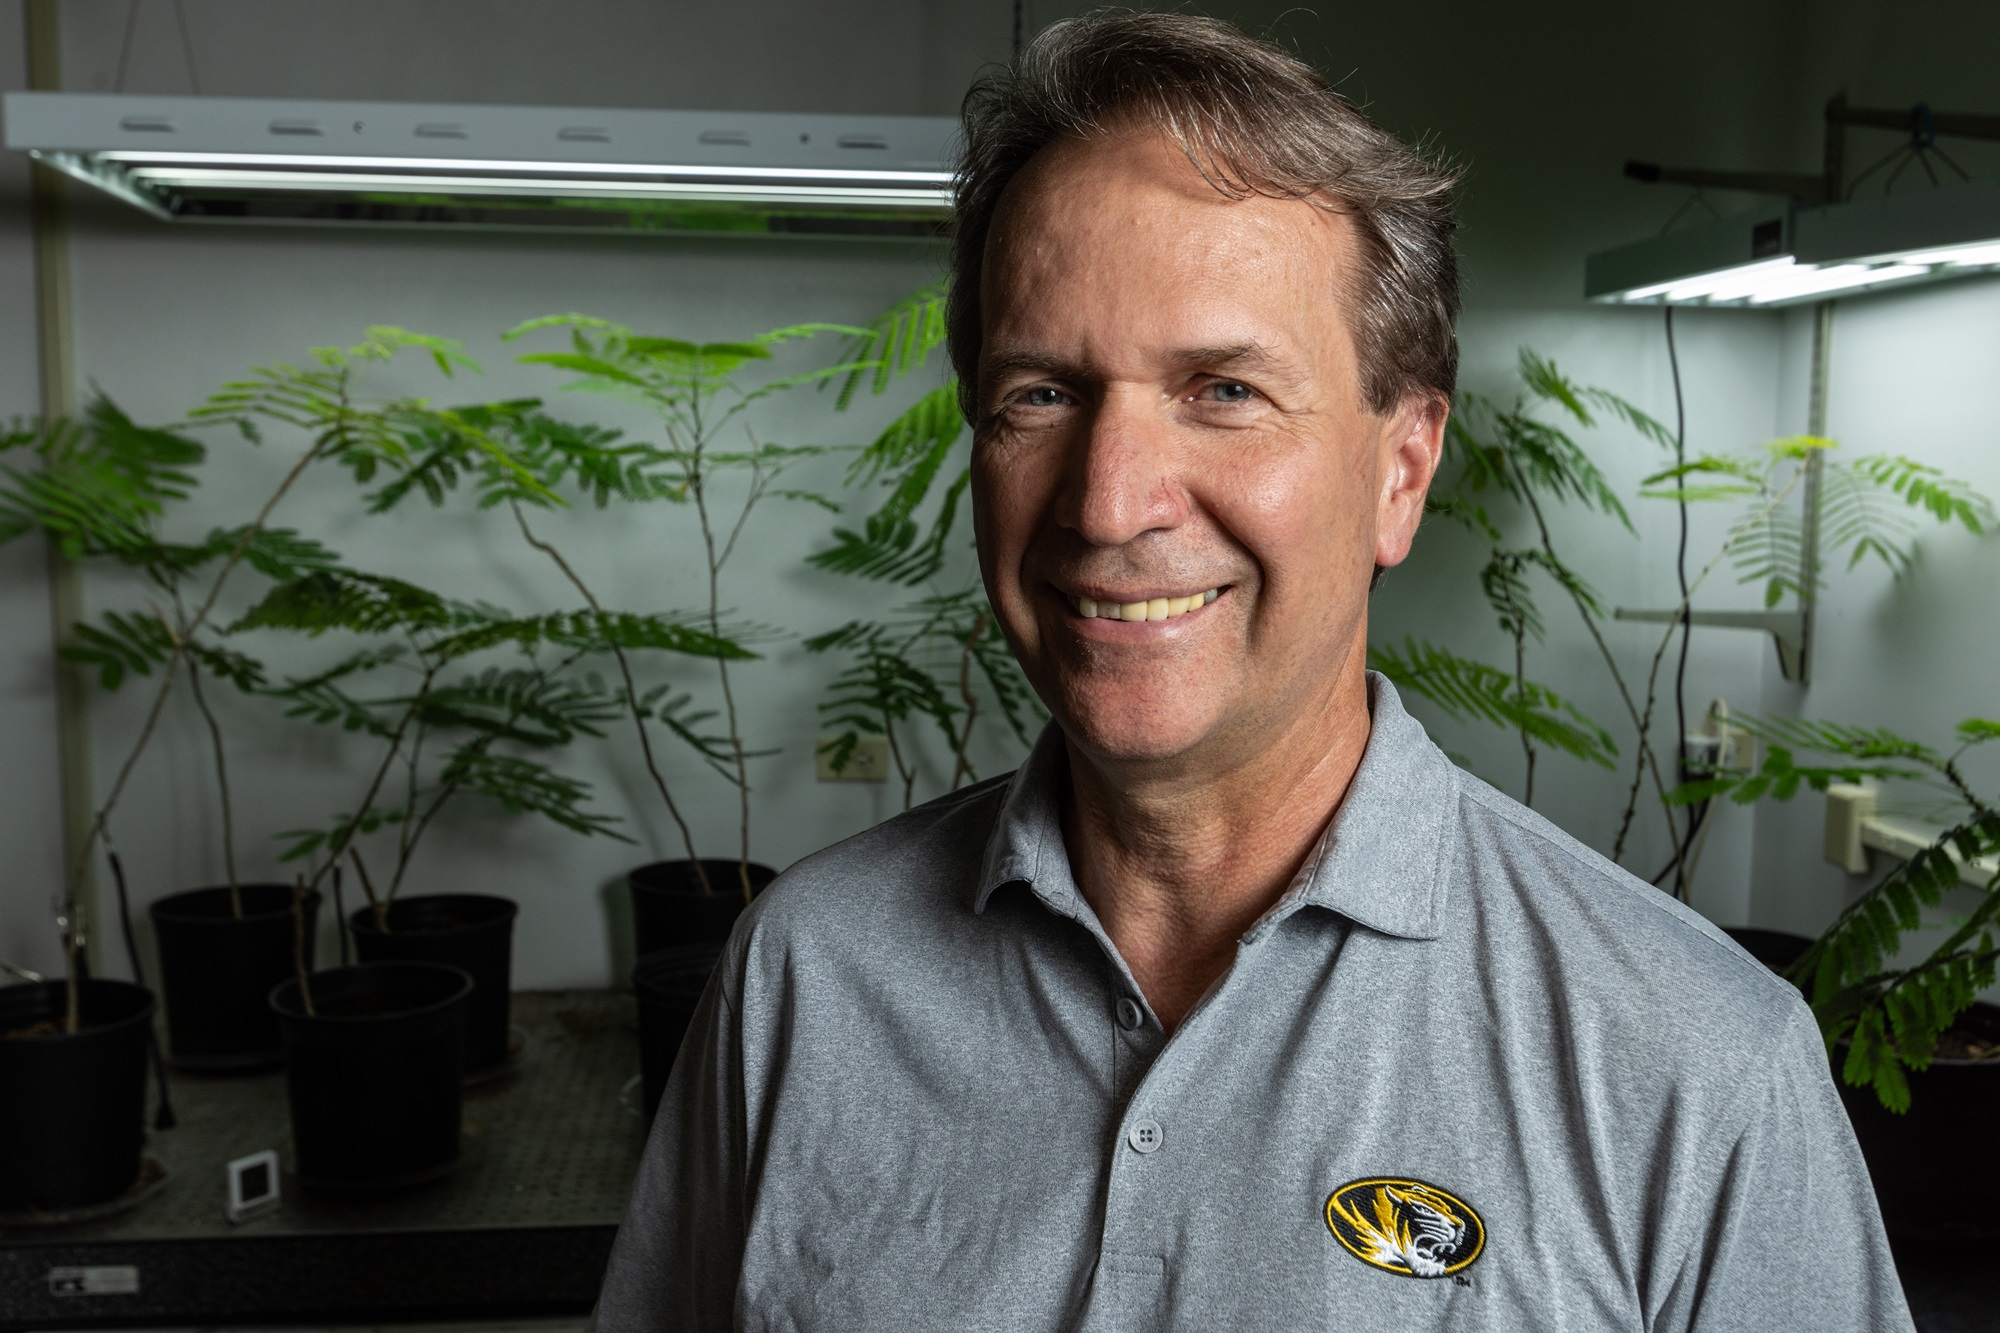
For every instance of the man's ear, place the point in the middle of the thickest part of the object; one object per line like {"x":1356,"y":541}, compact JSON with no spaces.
{"x":1412,"y":446}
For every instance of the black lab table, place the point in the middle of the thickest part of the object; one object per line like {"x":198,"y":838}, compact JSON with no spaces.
{"x":522,"y":1228}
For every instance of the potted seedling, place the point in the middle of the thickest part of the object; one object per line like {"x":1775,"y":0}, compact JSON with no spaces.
{"x":99,"y":493}
{"x":439,"y":736}
{"x":1917,"y":1054}
{"x":442,"y":728}
{"x":712,"y":461}
{"x":223,"y":947}
{"x":73,"y":1052}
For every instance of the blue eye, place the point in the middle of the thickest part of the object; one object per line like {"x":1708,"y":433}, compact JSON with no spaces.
{"x":1229,"y":391}
{"x":1042,"y":396}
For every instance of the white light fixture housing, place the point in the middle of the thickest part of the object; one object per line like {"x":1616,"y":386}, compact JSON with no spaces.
{"x":434,"y":165}
{"x":1792,"y":253}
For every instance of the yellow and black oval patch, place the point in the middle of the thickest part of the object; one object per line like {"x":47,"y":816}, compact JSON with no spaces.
{"x":1406,"y":1227}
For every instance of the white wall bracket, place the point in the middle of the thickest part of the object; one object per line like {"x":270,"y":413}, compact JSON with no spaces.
{"x":1853,"y":829}
{"x":1786,"y":628}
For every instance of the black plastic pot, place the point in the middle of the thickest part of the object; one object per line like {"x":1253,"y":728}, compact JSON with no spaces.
{"x":669,"y":984}
{"x":373,"y":1074}
{"x":217,"y":970}
{"x":472,"y":931}
{"x":1938,"y":1149}
{"x":1775,"y":949}
{"x":72,"y":1106}
{"x":669,"y":908}
{"x":1937,"y":1157}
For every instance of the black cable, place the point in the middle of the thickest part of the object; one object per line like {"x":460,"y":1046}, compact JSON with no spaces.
{"x":1681,"y":574}
{"x":163,"y":1117}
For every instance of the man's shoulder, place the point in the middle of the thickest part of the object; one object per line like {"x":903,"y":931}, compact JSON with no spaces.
{"x":908,"y":868}
{"x":1643,"y":961}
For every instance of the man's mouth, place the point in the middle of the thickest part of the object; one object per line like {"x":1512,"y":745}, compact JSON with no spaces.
{"x":1153,"y":608}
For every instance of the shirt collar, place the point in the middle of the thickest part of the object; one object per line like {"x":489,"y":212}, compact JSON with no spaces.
{"x":1380,"y":863}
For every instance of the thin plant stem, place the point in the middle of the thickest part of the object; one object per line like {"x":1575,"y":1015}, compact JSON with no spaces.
{"x":960,"y":765}
{"x":631,"y":695}
{"x":449,"y":789}
{"x":179,"y":650}
{"x":376,"y":905}
{"x":406,"y":837}
{"x":345,"y":838}
{"x":699,"y":488}
{"x":299,"y":892}
{"x":1644,"y":758}
{"x":907,"y":772}
{"x":1521,"y":695}
{"x":222,"y":786}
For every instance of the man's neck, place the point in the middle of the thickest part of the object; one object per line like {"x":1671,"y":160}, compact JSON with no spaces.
{"x":1178,"y":868}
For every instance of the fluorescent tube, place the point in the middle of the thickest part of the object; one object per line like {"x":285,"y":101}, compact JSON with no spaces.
{"x":1959,"y":256}
{"x":1834,"y":278}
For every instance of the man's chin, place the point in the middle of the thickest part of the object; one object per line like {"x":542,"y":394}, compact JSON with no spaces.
{"x":1140,"y":733}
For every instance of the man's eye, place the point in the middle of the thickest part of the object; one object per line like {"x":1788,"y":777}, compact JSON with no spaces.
{"x":1042,"y":396}
{"x":1229,"y":391}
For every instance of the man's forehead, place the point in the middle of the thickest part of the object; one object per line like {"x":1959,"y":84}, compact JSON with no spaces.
{"x":1139,"y":181}
{"x":1118,"y":250}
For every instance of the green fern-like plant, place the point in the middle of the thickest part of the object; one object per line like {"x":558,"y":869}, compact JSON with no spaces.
{"x":102,"y":485}
{"x":1890,"y":1015}
{"x":1513,"y":464}
{"x":1510,"y":461}
{"x":490,"y":731}
{"x":1469,"y":690}
{"x":701,"y":396}
{"x":908,"y":457}
{"x":940,"y":657}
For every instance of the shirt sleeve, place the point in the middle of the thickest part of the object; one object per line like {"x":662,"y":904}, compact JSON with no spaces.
{"x":675,"y":1263}
{"x":1794,"y":1240}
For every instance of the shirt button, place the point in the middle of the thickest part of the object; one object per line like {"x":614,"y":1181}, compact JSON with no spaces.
{"x":1130,"y":1016}
{"x":1145,"y":1136}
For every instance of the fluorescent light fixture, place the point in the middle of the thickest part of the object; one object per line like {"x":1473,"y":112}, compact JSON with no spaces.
{"x":441,"y":166}
{"x":1790,"y":254}
{"x":339,"y":182}
{"x":1959,"y":256}
{"x":1710,"y":285}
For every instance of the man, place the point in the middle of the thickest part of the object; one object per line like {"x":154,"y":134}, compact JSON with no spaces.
{"x":1238,"y":1006}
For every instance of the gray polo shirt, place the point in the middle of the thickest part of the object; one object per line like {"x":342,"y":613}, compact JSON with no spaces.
{"x":1465,"y":1074}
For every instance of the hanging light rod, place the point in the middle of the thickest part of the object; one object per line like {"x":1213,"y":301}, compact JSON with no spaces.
{"x":451,"y":167}
{"x":1820,"y":242}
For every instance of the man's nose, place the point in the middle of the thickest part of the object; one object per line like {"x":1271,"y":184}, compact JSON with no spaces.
{"x":1121,"y":475}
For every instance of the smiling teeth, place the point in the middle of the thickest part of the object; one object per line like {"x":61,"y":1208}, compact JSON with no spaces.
{"x":1157,"y":608}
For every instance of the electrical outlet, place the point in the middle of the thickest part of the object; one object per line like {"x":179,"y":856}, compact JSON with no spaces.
{"x":1720,"y":747}
{"x":869,"y":761}
{"x":1739,"y":749}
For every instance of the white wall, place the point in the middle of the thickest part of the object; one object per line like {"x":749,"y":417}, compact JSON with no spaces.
{"x":1542,"y":104}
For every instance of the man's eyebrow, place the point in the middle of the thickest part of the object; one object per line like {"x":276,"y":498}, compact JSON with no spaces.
{"x":1228,"y":356}
{"x":1222,"y":357}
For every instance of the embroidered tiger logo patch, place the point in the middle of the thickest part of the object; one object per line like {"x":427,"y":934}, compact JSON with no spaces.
{"x":1406,"y":1227}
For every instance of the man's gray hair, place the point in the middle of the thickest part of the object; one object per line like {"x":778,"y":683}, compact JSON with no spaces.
{"x":1255,"y":120}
